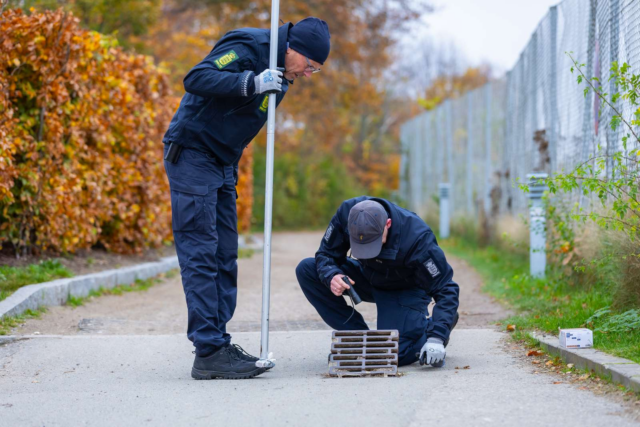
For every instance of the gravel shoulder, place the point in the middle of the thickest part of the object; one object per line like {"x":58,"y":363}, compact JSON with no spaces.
{"x":162,"y":309}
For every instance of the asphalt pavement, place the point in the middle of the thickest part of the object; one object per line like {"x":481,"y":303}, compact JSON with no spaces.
{"x":144,"y":380}
{"x":125,"y":361}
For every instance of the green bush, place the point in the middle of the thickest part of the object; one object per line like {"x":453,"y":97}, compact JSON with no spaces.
{"x":306,"y":193}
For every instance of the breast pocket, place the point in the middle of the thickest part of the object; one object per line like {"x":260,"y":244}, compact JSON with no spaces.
{"x":188,"y":207}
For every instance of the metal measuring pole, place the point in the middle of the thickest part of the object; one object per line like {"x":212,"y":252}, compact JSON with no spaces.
{"x":266,"y":359}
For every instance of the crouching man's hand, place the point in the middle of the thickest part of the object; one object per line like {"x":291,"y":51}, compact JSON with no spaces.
{"x":432,"y":352}
{"x":338,"y":286}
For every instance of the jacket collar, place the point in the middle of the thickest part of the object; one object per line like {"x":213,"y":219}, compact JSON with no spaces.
{"x":392,"y":246}
{"x":283,"y":36}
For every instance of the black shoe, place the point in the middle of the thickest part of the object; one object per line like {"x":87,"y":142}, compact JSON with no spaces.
{"x":242,"y":354}
{"x":224,"y":363}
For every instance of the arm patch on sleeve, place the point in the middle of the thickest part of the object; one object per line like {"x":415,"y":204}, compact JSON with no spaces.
{"x":226,"y":59}
{"x":432,"y":268}
{"x":327,"y":234}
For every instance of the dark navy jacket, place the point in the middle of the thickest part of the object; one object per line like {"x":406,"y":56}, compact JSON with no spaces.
{"x":410,"y":258}
{"x":220,"y":113}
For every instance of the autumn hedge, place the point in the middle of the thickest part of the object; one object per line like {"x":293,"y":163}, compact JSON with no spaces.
{"x":81,"y":123}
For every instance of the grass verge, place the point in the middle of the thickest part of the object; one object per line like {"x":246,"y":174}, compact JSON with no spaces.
{"x":13,"y":278}
{"x":551,"y":303}
{"x":11,"y":322}
{"x":7,"y":323}
{"x":138,"y":286}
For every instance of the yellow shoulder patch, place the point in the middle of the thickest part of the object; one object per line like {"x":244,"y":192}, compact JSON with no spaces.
{"x":226,"y":59}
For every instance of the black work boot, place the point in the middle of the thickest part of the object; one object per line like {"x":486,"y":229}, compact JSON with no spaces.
{"x":224,"y":363}
{"x":242,"y":354}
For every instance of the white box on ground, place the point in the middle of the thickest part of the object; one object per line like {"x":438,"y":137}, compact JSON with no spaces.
{"x":576,"y":338}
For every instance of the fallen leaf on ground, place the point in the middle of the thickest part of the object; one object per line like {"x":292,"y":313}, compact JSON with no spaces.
{"x":549,"y":362}
{"x":570,"y":365}
{"x":535,"y":362}
{"x":534,"y":353}
{"x":583,"y":377}
{"x":557,"y":382}
{"x":511,"y":328}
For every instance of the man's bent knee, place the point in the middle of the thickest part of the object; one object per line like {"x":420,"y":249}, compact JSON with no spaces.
{"x":306,"y":270}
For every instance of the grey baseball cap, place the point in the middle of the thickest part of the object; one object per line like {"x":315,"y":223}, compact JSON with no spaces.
{"x":366,"y":226}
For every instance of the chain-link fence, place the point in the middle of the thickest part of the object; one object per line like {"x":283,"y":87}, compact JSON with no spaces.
{"x":535,"y":119}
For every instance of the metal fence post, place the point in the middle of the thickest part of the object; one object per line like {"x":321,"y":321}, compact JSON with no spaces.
{"x":469,"y":153}
{"x":613,"y":136}
{"x":445,"y":212}
{"x":553,"y":83}
{"x":538,"y":235}
{"x":404,"y":150}
{"x":416,"y":166}
{"x":487,"y":148}
{"x":449,"y":142}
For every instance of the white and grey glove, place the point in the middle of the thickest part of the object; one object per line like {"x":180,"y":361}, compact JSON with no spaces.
{"x":269,"y":81}
{"x":432,"y":352}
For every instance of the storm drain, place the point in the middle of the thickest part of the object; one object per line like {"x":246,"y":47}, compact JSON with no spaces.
{"x":364,"y":353}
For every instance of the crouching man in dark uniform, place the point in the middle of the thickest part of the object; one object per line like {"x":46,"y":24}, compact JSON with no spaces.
{"x":224,"y":107}
{"x":399,"y":267}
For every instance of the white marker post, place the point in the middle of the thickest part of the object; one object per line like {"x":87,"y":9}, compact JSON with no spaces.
{"x":538,"y":235}
{"x":445,"y":210}
{"x":266,"y":359}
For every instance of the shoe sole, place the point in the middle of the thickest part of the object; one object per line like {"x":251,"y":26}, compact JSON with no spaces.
{"x":198,"y":374}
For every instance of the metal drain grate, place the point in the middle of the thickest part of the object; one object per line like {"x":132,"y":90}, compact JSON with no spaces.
{"x":364,"y":353}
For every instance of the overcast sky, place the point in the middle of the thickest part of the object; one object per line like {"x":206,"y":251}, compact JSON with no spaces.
{"x":493,"y":31}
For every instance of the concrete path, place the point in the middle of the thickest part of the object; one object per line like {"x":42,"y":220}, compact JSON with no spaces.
{"x":143,"y":380}
{"x":124,"y":360}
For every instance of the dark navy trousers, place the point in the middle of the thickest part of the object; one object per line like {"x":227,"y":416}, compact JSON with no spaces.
{"x":205,"y":230}
{"x":404,"y":310}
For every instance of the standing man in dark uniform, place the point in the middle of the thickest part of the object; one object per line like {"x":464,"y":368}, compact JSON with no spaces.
{"x":224,"y":107}
{"x":399,"y":267}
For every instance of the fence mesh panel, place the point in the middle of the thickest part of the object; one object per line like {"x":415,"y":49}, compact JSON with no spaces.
{"x":535,"y":119}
